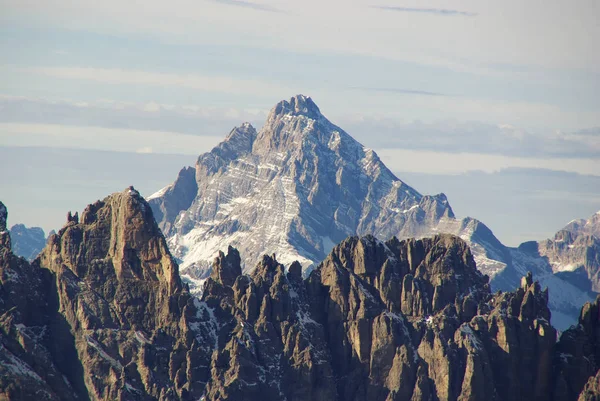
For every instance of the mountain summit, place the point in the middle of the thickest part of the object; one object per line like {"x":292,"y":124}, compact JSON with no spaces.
{"x":300,"y":185}
{"x":295,"y":188}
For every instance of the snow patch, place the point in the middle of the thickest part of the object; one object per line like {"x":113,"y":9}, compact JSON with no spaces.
{"x":18,"y":367}
{"x":207,"y":324}
{"x":471,"y":336}
{"x":139,"y":336}
{"x":94,"y":344}
{"x":160,"y":193}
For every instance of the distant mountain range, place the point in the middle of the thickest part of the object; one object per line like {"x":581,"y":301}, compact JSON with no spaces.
{"x":27,"y":242}
{"x":301,"y":184}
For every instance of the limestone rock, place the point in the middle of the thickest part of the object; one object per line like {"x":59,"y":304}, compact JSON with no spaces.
{"x":301,"y":184}
{"x":227,"y":267}
{"x":102,"y":314}
{"x":577,"y":356}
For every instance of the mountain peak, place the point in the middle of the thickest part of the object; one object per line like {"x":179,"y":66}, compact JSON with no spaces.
{"x":297,"y":105}
{"x":239,"y":141}
{"x":290,"y":122}
{"x":295,"y":188}
{"x":121,"y":232}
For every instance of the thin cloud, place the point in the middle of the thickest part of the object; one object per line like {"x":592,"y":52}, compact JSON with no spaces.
{"x":185,"y":119}
{"x":595,"y":131}
{"x":472,"y":137}
{"x":248,"y":4}
{"x":400,"y":91}
{"x":436,"y":11}
{"x":106,"y":139}
{"x":117,"y":76}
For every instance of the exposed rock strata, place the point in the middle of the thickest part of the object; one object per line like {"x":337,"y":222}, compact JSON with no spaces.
{"x":301,"y":184}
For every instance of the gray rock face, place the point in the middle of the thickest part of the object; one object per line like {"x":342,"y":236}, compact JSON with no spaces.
{"x":295,"y":188}
{"x":568,"y":264}
{"x":590,"y":226}
{"x":176,"y":197}
{"x":27,"y":242}
{"x":575,"y":251}
{"x":300,"y":185}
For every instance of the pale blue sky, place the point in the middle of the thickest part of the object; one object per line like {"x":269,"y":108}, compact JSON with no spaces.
{"x":466,"y":85}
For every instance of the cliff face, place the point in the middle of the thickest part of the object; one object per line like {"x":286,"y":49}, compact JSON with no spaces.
{"x":574,"y":252}
{"x":105,"y":305}
{"x":102,"y":314}
{"x":119,"y":291}
{"x":296,"y":188}
{"x":31,"y":356}
{"x":578,"y":357}
{"x":410,"y":320}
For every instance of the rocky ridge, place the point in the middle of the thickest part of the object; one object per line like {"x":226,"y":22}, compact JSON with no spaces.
{"x":27,"y":242}
{"x":574,"y":252}
{"x":102,"y":315}
{"x":300,"y":185}
{"x":568,"y":264}
{"x":398,"y":320}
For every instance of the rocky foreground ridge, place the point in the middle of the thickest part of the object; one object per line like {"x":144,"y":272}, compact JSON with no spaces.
{"x":102,"y":314}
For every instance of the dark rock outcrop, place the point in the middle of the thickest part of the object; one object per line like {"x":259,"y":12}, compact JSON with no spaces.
{"x":401,"y":320}
{"x":102,"y":314}
{"x":578,"y":357}
{"x":29,"y":358}
{"x":591,"y":391}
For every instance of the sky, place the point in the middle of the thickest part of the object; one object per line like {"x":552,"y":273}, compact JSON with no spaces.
{"x":442,"y":90}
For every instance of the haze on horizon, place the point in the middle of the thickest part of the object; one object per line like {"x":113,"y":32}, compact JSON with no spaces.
{"x":497,"y":104}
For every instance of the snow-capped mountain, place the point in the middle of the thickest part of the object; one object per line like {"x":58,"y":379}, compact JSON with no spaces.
{"x":568,"y":264}
{"x":574,"y":252}
{"x":299,"y":186}
{"x":296,"y":188}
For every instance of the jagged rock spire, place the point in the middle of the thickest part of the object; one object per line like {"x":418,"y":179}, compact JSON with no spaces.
{"x":227,"y":268}
{"x":131,"y":243}
{"x":4,"y":234}
{"x":297,"y":105}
